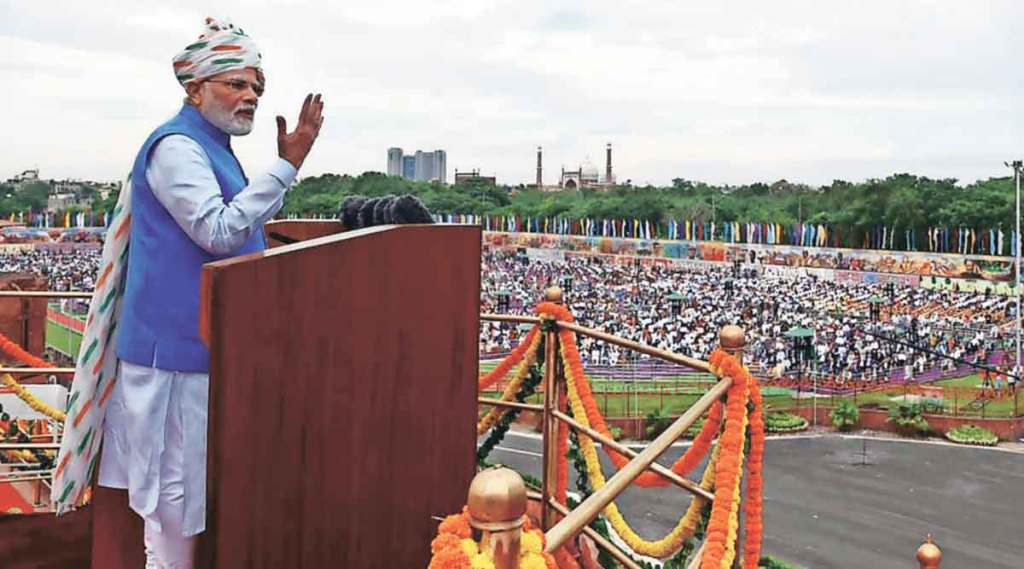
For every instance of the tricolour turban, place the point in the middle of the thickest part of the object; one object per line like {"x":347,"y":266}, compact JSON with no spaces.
{"x":221,"y":47}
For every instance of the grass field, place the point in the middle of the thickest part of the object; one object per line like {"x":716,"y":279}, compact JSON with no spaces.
{"x":672,"y":396}
{"x":62,"y":339}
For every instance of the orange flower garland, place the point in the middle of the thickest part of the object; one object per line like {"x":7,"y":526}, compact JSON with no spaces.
{"x":496,"y":413}
{"x":718,"y":551}
{"x":455,"y":548}
{"x":684,"y":529}
{"x":17,"y":352}
{"x":683,"y":466}
{"x":508,"y":363}
{"x":726,"y":471}
{"x":755,"y":483}
{"x":562,"y":487}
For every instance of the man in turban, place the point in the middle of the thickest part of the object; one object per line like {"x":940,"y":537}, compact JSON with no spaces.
{"x":191,"y":203}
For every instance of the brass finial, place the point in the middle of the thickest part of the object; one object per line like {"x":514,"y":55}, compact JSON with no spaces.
{"x":929,"y":555}
{"x":553,"y":294}
{"x":497,"y":507}
{"x":732,"y":338}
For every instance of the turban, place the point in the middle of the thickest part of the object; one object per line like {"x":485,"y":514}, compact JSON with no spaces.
{"x":221,"y":47}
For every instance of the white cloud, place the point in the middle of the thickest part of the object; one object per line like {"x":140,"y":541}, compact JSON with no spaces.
{"x":727,"y":92}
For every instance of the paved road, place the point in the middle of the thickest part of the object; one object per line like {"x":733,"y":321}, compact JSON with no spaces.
{"x":823,"y":509}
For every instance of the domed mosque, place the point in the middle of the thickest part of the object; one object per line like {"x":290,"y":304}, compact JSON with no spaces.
{"x":586,"y":176}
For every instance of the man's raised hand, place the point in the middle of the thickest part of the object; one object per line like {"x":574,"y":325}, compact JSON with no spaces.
{"x":294,"y":146}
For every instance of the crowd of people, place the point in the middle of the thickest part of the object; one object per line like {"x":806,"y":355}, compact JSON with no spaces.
{"x":682,"y":309}
{"x":73,"y":270}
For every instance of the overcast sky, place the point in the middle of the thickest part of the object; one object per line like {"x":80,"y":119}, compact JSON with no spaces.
{"x":725,"y":92}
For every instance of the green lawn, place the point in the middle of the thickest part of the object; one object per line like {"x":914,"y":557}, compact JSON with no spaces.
{"x":626,"y":403}
{"x":675,"y":395}
{"x":62,"y":339}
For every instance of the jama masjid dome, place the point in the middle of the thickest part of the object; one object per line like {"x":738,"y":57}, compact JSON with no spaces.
{"x":588,"y":171}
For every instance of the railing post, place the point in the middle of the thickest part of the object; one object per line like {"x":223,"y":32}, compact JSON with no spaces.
{"x":550,"y":423}
{"x":929,"y":556}
{"x":497,"y":504}
{"x":733,"y":340}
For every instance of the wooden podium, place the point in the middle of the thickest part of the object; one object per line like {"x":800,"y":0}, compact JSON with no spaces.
{"x":342,"y":400}
{"x":342,"y":395}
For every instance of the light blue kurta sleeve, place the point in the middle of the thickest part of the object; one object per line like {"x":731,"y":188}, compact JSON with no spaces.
{"x":182,"y":179}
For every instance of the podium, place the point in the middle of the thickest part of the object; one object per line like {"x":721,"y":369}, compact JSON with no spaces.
{"x":343,"y":410}
{"x":342,"y":395}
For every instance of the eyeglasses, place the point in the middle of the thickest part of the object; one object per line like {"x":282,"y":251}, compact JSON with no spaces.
{"x":240,"y":85}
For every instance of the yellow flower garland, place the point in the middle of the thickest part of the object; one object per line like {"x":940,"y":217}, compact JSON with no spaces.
{"x":684,"y":529}
{"x":454,"y":546}
{"x":32,"y":401}
{"x":513,"y":387}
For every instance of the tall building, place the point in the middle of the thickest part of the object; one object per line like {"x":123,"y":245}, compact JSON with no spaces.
{"x":394,"y":162}
{"x":421,"y":166}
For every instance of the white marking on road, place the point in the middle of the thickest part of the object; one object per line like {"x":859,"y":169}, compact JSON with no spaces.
{"x":517,"y":451}
{"x":682,"y":444}
{"x":930,"y":442}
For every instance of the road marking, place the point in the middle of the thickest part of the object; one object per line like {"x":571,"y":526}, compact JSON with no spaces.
{"x":929,"y":442}
{"x":683,"y":444}
{"x":517,"y":451}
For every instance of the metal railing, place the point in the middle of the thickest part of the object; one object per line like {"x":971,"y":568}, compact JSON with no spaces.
{"x":39,"y":477}
{"x":578,"y":520}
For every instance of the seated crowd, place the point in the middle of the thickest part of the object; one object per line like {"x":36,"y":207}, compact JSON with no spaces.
{"x":617,"y":296}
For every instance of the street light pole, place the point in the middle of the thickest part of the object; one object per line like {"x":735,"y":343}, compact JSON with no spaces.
{"x":1016,"y":165}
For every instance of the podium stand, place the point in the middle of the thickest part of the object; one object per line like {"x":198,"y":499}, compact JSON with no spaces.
{"x":342,"y":396}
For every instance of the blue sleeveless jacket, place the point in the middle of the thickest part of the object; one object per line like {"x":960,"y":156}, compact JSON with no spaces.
{"x":159,"y":323}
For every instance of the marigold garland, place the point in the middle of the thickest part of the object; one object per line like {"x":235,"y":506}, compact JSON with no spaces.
{"x":17,"y":352}
{"x":455,"y":548}
{"x":683,"y":466}
{"x":755,"y":483}
{"x":31,"y":400}
{"x":662,"y":548}
{"x":720,"y":546}
{"x":571,"y":359}
{"x":509,"y":362}
{"x":723,"y":474}
{"x":734,"y":515}
{"x":513,"y":387}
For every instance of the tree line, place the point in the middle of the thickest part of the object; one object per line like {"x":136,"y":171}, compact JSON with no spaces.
{"x":899,"y":201}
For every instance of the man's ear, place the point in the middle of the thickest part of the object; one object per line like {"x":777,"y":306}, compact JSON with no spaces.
{"x":193,"y":90}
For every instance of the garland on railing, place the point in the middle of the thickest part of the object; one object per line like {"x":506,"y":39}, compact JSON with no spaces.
{"x":720,"y":546}
{"x":571,"y":358}
{"x":511,"y":360}
{"x":17,"y":352}
{"x":31,"y":400}
{"x":499,"y":430}
{"x":662,"y":548}
{"x":455,"y":548}
{"x":739,"y":417}
{"x":514,"y":386}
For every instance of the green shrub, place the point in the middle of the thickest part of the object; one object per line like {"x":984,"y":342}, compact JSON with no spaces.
{"x":783,"y":422}
{"x":845,"y":415}
{"x":972,"y":435}
{"x":769,"y":562}
{"x":908,"y":416}
{"x":616,"y":432}
{"x":656,"y":422}
{"x":694,"y":429}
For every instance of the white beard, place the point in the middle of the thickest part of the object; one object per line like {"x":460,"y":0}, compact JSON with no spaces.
{"x":226,"y":119}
